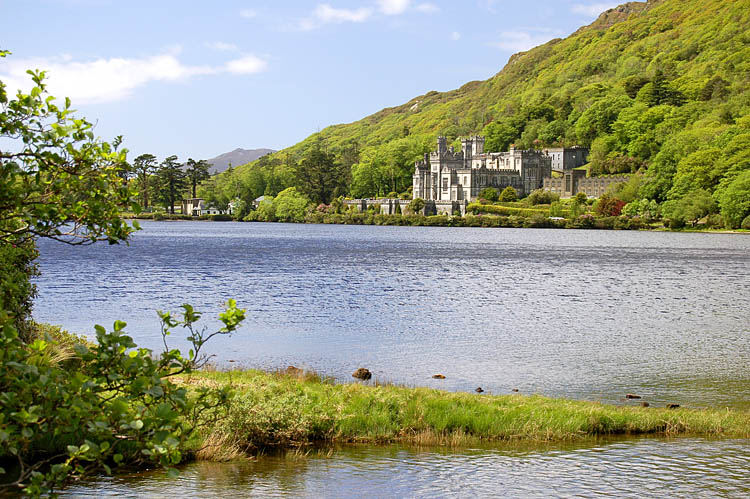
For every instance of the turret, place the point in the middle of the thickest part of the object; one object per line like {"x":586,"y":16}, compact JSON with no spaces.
{"x":477,"y":145}
{"x":442,"y":145}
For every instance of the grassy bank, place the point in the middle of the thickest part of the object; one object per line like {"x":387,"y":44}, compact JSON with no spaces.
{"x":281,"y":410}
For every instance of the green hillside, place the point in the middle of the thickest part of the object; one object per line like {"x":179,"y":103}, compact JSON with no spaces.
{"x":657,"y":88}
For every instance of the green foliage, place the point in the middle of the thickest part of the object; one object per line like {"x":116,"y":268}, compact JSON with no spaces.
{"x":490,"y":194}
{"x":508,"y":195}
{"x":17,"y":267}
{"x":144,"y":167}
{"x":320,"y":176}
{"x":745,"y":223}
{"x":119,"y":407}
{"x":57,"y":180}
{"x":290,"y":206}
{"x":541,"y":196}
{"x":170,"y":181}
{"x":735,"y":200}
{"x":499,"y":136}
{"x":196,"y":172}
{"x":691,"y":208}
{"x":416,"y":206}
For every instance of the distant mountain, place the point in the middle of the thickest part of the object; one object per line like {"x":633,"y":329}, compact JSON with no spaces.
{"x":237,"y":157}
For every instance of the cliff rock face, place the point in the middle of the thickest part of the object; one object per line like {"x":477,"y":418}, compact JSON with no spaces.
{"x":618,"y":14}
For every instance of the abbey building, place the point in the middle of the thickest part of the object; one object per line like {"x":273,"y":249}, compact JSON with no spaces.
{"x":448,"y":175}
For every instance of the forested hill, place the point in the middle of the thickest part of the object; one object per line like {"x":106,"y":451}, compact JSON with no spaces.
{"x":656,"y":87}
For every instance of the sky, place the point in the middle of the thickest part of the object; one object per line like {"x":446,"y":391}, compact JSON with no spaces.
{"x":199,"y":78}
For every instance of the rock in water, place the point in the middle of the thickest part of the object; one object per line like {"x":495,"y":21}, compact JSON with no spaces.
{"x":632,"y":396}
{"x":438,"y":376}
{"x":479,"y":390}
{"x":673,"y":406}
{"x":644,"y":404}
{"x":362,"y":373}
{"x":515,"y":390}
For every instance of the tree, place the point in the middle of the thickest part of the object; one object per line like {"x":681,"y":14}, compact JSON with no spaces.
{"x":96,"y":407}
{"x":319,"y":176}
{"x":498,"y":136}
{"x":197,"y":171}
{"x":144,"y":167}
{"x":57,"y":180}
{"x":290,"y":205}
{"x":735,"y":200}
{"x":171,"y":180}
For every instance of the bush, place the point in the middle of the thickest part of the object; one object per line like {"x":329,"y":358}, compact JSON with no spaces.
{"x":540,"y":196}
{"x":745,"y":223}
{"x":17,"y":268}
{"x":416,"y":206}
{"x":119,"y":407}
{"x":489,"y":193}
{"x":508,"y":195}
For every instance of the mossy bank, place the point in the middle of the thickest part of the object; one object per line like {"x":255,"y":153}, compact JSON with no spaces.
{"x":280,"y":410}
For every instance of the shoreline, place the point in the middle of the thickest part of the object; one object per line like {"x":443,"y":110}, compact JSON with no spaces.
{"x":484,"y":221}
{"x":292,"y":409}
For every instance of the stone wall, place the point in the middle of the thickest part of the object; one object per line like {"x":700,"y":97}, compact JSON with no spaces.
{"x":388,"y":206}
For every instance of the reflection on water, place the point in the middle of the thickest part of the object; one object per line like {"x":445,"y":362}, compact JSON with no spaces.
{"x":581,"y":314}
{"x":636,"y":468}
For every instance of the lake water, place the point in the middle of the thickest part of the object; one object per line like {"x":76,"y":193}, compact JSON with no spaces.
{"x":581,"y":314}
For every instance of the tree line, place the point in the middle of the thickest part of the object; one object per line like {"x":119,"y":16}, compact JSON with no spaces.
{"x":165,"y":182}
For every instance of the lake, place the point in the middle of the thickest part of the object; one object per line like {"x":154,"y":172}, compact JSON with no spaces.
{"x":581,"y":314}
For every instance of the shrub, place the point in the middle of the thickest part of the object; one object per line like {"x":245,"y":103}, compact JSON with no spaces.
{"x":540,"y":196}
{"x":118,"y":407}
{"x":609,"y":206}
{"x":745,"y":223}
{"x":416,"y":206}
{"x":508,"y":195}
{"x":17,"y":268}
{"x":489,"y":193}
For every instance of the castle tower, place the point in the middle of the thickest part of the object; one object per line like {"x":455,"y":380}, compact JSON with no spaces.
{"x":466,"y":147}
{"x":442,"y":145}
{"x":477,"y":145}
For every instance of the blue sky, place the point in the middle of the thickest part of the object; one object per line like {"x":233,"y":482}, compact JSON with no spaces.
{"x":197,"y":78}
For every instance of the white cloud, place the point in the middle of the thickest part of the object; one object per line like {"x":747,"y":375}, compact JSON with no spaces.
{"x":455,"y":36}
{"x":248,"y":13}
{"x":107,"y":80}
{"x":222,"y":46}
{"x":427,"y":8}
{"x":594,"y":9}
{"x":248,"y":64}
{"x":326,"y":14}
{"x":521,"y":40}
{"x":393,"y":7}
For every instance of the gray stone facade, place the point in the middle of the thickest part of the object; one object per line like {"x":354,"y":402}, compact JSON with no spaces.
{"x":447,"y":175}
{"x":574,"y":181}
{"x":566,"y":158}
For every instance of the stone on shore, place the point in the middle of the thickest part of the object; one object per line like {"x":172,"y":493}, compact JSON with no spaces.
{"x":362,"y":373}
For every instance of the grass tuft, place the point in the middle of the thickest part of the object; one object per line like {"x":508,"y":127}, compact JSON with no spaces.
{"x":293,"y":408}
